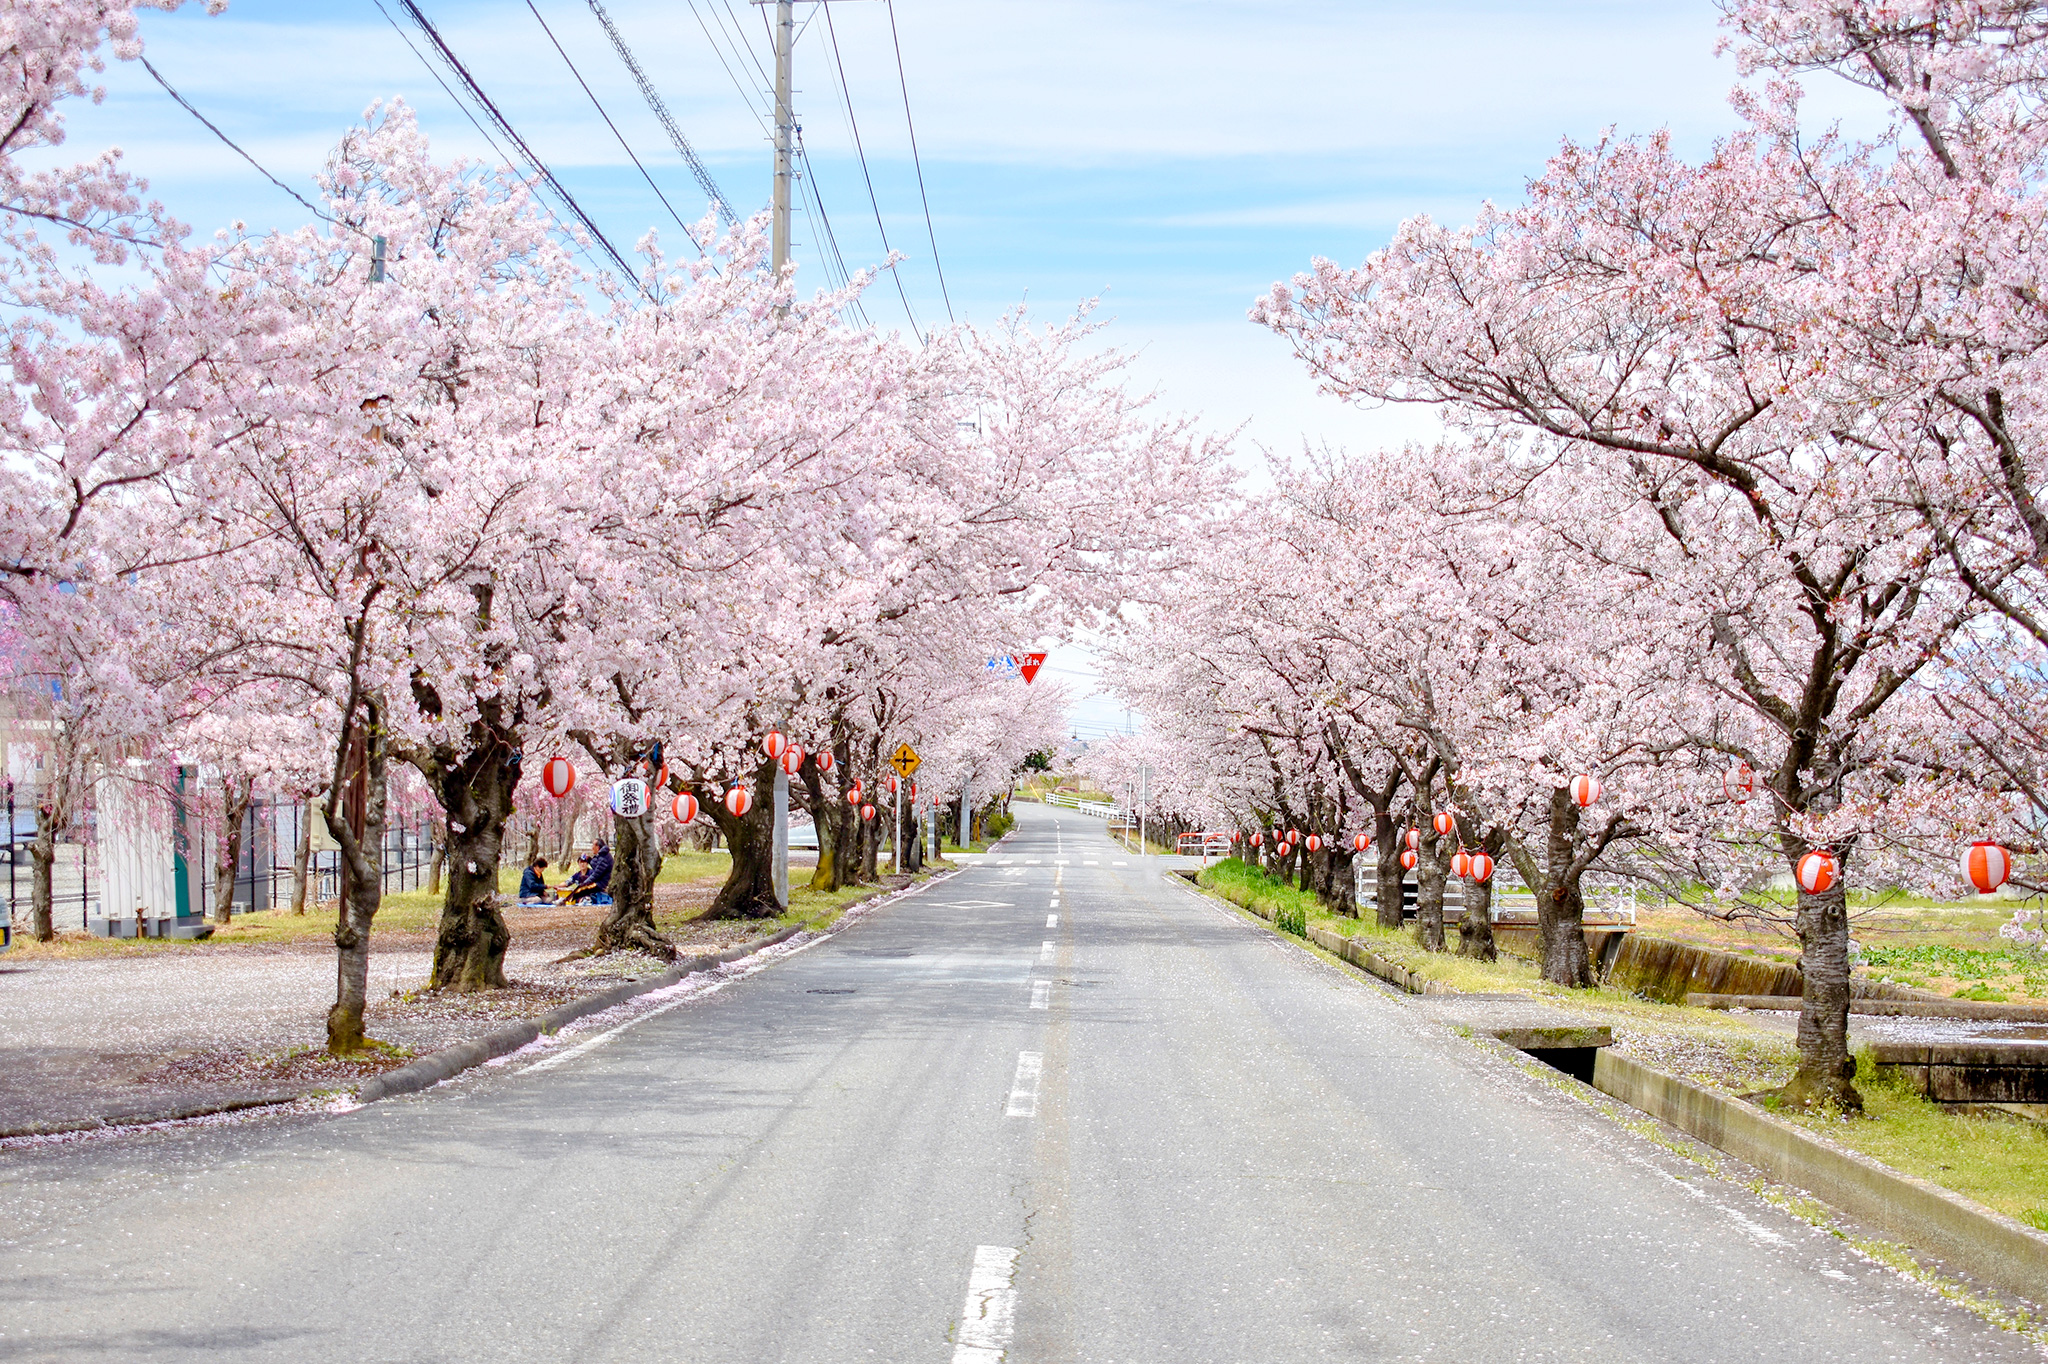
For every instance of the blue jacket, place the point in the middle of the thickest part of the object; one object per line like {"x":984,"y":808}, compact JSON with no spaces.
{"x":531,"y":887}
{"x":601,"y":870}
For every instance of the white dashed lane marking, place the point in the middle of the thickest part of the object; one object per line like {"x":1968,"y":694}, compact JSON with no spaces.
{"x":1024,"y":1089}
{"x":1041,"y":994}
{"x":1052,"y":921}
{"x":988,"y":1319}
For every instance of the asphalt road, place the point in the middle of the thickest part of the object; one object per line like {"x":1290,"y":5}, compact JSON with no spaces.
{"x":1054,"y":1108}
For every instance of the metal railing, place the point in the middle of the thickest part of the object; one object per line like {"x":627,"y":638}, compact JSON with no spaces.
{"x":1098,"y":808}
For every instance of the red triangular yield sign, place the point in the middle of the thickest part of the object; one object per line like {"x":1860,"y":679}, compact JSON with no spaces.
{"x":1029,"y":664}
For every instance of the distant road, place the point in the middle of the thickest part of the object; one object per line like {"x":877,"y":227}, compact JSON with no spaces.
{"x":1055,"y":1108}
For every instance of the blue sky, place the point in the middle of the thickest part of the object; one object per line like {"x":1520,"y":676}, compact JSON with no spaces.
{"x":1173,"y":159}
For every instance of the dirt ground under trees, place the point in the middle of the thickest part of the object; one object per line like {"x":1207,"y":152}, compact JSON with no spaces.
{"x":95,"y":1032}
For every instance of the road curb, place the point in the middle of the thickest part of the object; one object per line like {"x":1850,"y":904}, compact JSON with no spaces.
{"x":1979,"y":1241}
{"x":1972,"y":1237}
{"x":449,"y":1062}
{"x":150,"y":1117}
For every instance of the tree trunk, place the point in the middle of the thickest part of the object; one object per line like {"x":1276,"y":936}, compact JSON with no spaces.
{"x":42,"y":881}
{"x":1429,"y":890}
{"x":302,"y":857}
{"x":235,"y":794}
{"x":1475,"y":930}
{"x":636,"y":863}
{"x":749,"y":889}
{"x":1560,"y":908}
{"x":1826,"y":1071}
{"x":361,"y":793}
{"x":437,"y":866}
{"x":1387,"y":876}
{"x":1340,"y":886}
{"x":567,"y":810}
{"x":476,"y":787}
{"x":836,"y":821}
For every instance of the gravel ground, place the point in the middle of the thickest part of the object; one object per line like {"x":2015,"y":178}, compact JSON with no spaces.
{"x":116,"y":1038}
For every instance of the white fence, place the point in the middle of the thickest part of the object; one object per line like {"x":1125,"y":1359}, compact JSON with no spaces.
{"x":1099,"y":808}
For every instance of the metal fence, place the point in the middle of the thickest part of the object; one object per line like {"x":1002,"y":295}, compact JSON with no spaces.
{"x":265,"y":872}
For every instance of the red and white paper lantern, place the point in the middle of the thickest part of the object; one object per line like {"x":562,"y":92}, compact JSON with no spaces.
{"x":775,"y":743}
{"x":1816,"y":872}
{"x":792,"y":760}
{"x":739,"y":800}
{"x":1446,"y":823}
{"x":557,"y":777}
{"x":1739,"y":783}
{"x":867,"y":812}
{"x":1461,"y":863}
{"x":684,"y":808}
{"x":1315,"y":842}
{"x":825,"y":760}
{"x":1259,"y":840}
{"x":1586,"y":789}
{"x":1408,"y":859}
{"x":1986,"y":866}
{"x":1360,"y":842}
{"x":1412,"y":839}
{"x":1294,"y":835}
{"x":1482,"y":867}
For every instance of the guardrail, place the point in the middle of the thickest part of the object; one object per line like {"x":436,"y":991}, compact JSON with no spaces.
{"x":1067,"y":801}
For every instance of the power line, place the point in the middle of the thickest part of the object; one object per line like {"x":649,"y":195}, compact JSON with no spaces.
{"x":615,"y":130}
{"x":829,"y":240}
{"x":846,"y":94}
{"x":718,"y":49}
{"x":186,"y":104}
{"x":903,"y":84}
{"x":654,"y":102}
{"x":504,"y":125}
{"x":449,"y":90}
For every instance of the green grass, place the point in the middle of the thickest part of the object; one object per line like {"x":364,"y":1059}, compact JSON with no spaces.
{"x":2001,"y":1162}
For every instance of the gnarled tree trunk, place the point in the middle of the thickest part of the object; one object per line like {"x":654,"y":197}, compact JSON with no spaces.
{"x":636,"y":863}
{"x":1826,"y":1071}
{"x":1429,"y":887}
{"x":475,"y":783}
{"x":236,"y":791}
{"x":1560,"y":906}
{"x":302,"y":857}
{"x":1388,"y":875}
{"x":1339,"y":890}
{"x":749,"y":889}
{"x":357,"y":801}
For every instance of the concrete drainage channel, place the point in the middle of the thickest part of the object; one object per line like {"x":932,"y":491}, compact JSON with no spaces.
{"x":1988,"y":1245}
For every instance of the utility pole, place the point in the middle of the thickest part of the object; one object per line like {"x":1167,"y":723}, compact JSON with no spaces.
{"x":785,"y":132}
{"x":1144,"y":796}
{"x":781,"y":815}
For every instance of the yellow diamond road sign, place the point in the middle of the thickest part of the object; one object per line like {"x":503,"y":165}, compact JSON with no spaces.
{"x":904,"y":760}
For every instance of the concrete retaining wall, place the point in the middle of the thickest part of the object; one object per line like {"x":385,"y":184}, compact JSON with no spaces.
{"x":1667,"y":971}
{"x":1973,"y":1238}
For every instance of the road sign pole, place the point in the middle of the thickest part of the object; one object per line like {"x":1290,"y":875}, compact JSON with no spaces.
{"x":896,"y":829}
{"x":966,"y":808}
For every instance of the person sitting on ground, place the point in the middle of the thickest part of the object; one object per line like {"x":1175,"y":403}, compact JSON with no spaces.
{"x":600,"y":873}
{"x":533,"y":884}
{"x":577,"y":879}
